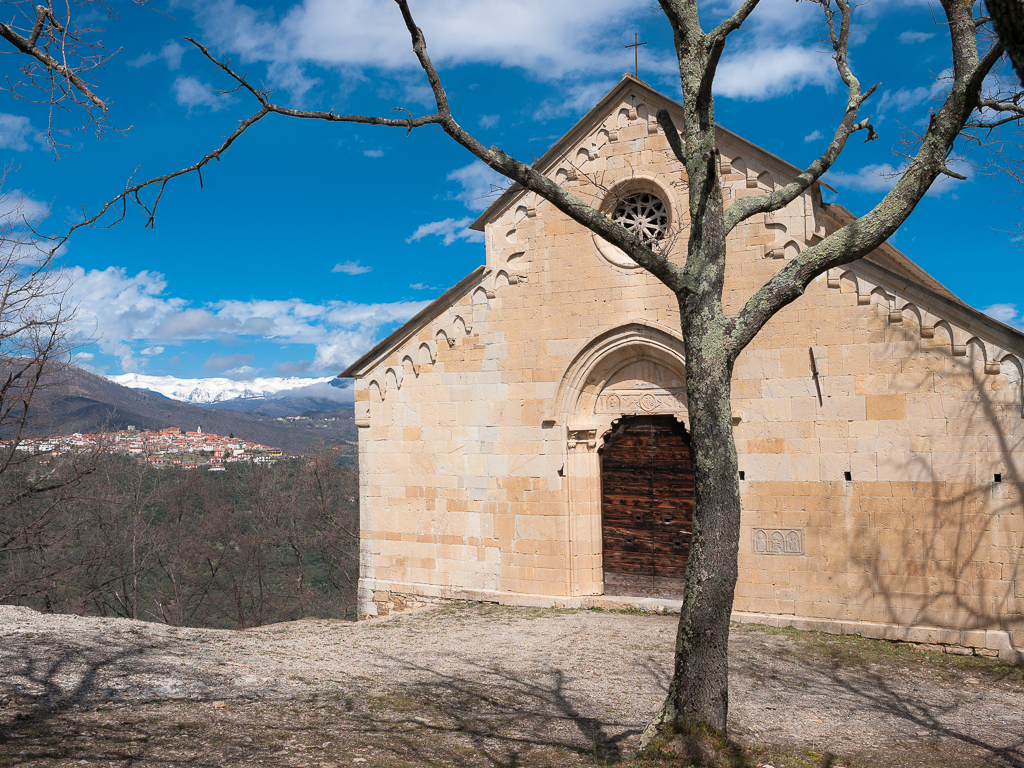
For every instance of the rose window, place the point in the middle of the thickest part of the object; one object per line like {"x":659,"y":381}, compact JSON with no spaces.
{"x":643,"y":214}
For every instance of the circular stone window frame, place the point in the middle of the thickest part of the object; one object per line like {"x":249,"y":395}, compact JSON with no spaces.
{"x":614,"y":255}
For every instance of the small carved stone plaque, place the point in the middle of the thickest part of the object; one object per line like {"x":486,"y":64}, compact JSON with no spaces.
{"x":776,"y":541}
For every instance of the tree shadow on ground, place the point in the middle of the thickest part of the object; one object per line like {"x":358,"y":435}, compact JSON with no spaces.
{"x":939,"y":714}
{"x":46,"y":693}
{"x":478,"y":715}
{"x":503,"y":714}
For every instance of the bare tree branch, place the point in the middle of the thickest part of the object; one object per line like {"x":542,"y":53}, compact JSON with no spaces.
{"x":864,"y":235}
{"x":745,"y":207}
{"x":735,"y":21}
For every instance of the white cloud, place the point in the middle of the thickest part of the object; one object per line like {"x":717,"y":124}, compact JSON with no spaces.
{"x":813,"y":136}
{"x":547,"y":39}
{"x":171,"y":54}
{"x":481,"y":185}
{"x":153,"y":351}
{"x":878,"y":177}
{"x":422,"y":287}
{"x":910,"y":37}
{"x":192,"y":92}
{"x":763,"y":73}
{"x":777,"y":16}
{"x":216,"y":362}
{"x":903,"y":99}
{"x":488,"y":121}
{"x":15,"y":130}
{"x":351,"y":268}
{"x":374,"y":152}
{"x":450,"y":229}
{"x":117,"y":310}
{"x":17,"y":208}
{"x":574,"y":99}
{"x":1005,"y":313}
{"x":881,"y":177}
{"x":906,"y":99}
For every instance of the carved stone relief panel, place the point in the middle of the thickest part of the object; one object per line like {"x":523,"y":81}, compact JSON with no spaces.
{"x":643,"y":387}
{"x":582,"y":439}
{"x":652,"y":401}
{"x":776,"y":541}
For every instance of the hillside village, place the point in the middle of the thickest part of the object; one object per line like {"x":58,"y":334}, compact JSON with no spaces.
{"x":170,"y":447}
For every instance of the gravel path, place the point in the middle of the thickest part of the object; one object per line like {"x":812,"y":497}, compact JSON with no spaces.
{"x":474,"y":685}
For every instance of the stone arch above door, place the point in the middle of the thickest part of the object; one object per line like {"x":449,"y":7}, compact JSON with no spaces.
{"x":637,"y":368}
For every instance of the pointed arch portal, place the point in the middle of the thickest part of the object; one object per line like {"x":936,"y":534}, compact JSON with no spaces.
{"x":628,"y":470}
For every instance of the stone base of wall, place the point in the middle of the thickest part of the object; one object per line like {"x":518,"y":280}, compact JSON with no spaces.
{"x":964,"y":642}
{"x":386,"y":603}
{"x":377,"y":599}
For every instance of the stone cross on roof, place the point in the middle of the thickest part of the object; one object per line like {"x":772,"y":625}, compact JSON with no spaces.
{"x":636,"y":53}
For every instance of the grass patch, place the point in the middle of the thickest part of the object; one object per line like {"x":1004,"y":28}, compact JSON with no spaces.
{"x":864,"y":652}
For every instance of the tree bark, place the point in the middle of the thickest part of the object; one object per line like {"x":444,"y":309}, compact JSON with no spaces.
{"x":1008,"y":16}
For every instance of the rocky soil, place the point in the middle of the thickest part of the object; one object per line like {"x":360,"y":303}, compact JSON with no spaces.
{"x":476,"y":686}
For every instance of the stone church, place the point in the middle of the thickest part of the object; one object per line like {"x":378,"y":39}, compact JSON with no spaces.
{"x":523,"y":439}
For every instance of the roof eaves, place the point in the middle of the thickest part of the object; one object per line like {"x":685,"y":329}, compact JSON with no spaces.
{"x":410,"y":328}
{"x":844,"y":216}
{"x":964,"y":314}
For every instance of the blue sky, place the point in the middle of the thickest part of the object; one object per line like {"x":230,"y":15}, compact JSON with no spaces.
{"x":311,"y":241}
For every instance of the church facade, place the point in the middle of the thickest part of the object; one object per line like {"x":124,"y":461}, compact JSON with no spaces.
{"x":524,"y":438}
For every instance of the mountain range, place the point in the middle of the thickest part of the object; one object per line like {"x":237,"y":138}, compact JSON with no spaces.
{"x":84,"y":402}
{"x":219,"y":391}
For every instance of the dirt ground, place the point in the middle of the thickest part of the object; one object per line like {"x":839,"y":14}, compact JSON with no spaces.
{"x":476,"y":686}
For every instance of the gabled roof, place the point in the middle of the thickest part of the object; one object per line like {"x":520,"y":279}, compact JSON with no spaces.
{"x":886,"y":263}
{"x":587,"y":124}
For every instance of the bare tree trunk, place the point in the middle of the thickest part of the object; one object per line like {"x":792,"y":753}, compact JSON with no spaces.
{"x":699,"y":693}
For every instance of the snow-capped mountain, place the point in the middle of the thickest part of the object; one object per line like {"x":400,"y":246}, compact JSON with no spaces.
{"x":218,"y":390}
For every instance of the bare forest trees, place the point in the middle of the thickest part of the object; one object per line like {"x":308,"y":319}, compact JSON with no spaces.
{"x":249,"y":546}
{"x":38,"y":520}
{"x":34,"y":365}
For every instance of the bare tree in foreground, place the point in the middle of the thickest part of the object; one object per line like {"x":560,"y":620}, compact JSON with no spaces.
{"x":698,"y":695}
{"x":35,"y":352}
{"x":60,"y":57}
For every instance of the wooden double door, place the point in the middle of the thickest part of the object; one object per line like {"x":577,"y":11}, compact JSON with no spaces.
{"x":646,"y":506}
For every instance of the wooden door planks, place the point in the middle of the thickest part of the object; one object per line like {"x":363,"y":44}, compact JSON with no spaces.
{"x":646,"y":503}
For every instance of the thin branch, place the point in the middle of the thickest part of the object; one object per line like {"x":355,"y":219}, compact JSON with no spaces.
{"x":28,"y":46}
{"x":735,"y":21}
{"x":864,"y":235}
{"x":745,"y":207}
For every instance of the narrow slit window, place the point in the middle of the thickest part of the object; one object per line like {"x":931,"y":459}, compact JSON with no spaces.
{"x":743,"y":475}
{"x":998,"y":478}
{"x":847,"y":476}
